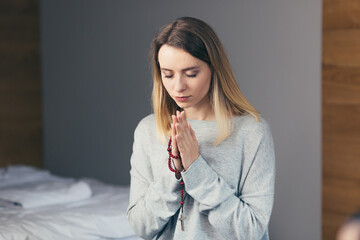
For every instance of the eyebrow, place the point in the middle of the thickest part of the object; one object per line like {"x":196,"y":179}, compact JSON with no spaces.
{"x":185,"y":69}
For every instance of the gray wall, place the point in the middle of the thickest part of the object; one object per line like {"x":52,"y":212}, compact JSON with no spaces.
{"x":97,"y":86}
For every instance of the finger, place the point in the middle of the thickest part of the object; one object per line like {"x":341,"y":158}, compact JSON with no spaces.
{"x":177,"y":127}
{"x":174,"y":119}
{"x":174,"y":148}
{"x":179,"y":143}
{"x":183,"y":122}
{"x":192,"y":131}
{"x":179,"y":116}
{"x":180,"y":134}
{"x":183,"y":135}
{"x":187,"y":132}
{"x":179,"y":124}
{"x":172,"y":130}
{"x":173,"y":140}
{"x":183,"y":115}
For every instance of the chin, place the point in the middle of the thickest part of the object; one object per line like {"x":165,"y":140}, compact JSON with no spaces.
{"x":182,"y":105}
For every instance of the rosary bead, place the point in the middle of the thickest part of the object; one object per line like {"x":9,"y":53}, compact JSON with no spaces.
{"x":178,"y":176}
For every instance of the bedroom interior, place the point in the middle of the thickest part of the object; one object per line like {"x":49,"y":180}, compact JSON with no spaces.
{"x":34,"y":203}
{"x":37,"y":100}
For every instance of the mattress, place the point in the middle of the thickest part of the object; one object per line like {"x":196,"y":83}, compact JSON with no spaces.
{"x":100,"y":215}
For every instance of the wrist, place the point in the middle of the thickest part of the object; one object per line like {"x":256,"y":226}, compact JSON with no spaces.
{"x":187,"y":164}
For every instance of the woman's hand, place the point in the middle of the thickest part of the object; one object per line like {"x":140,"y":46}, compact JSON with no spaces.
{"x":174,"y":148}
{"x":185,"y":140}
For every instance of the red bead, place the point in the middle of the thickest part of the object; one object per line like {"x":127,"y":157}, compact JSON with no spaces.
{"x":174,"y":170}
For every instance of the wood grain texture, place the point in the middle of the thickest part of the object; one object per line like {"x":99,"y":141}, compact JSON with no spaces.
{"x":340,"y":195}
{"x":341,"y":159}
{"x":340,"y":113}
{"x":341,"y":48}
{"x":20,"y":84}
{"x":341,"y":14}
{"x":341,"y":122}
{"x":341,"y":85}
{"x":331,"y":223}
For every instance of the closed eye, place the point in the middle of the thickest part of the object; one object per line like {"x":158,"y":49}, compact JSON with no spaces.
{"x":192,"y":76}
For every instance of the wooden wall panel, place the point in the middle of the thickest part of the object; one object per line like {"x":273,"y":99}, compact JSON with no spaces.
{"x":341,"y":14}
{"x":330,"y":224}
{"x":341,"y":48}
{"x":340,"y":195}
{"x":341,"y":85}
{"x":20,"y":83}
{"x":340,"y":113}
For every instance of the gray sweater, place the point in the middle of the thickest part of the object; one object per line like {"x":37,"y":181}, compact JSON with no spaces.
{"x":229,"y":188}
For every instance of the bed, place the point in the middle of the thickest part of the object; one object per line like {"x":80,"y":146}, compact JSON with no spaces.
{"x":35,"y":204}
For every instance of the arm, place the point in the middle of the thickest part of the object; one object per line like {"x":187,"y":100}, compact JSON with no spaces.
{"x":238,"y":217}
{"x":152,"y":203}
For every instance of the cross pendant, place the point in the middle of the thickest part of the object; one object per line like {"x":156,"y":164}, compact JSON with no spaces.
{"x":181,"y":222}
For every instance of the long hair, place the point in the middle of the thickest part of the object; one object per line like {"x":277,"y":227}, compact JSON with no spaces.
{"x":198,"y":39}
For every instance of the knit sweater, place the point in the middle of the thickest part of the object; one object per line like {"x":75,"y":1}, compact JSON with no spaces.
{"x":229,"y":187}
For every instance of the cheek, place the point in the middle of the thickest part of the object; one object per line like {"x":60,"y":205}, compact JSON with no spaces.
{"x":204,"y":86}
{"x":166,"y":85}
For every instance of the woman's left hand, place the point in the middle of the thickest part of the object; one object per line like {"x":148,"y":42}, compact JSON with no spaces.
{"x":186,"y":141}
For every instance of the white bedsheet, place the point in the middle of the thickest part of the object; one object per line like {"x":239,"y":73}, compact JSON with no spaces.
{"x":45,"y":194}
{"x":102,"y":216}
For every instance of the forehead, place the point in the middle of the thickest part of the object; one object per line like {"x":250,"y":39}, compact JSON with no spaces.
{"x":176,"y":58}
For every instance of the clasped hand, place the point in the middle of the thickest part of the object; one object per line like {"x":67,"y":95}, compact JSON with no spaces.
{"x":183,"y":141}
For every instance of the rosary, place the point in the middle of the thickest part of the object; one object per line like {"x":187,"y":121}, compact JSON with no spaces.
{"x":178,"y":176}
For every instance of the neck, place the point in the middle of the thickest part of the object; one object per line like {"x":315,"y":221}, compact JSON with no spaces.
{"x":204,"y":112}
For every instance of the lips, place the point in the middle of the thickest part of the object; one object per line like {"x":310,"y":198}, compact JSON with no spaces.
{"x":182,"y":99}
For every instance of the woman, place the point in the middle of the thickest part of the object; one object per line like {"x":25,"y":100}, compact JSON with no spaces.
{"x":219,"y":148}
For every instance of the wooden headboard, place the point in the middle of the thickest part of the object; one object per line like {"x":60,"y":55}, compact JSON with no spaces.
{"x":20,"y":84}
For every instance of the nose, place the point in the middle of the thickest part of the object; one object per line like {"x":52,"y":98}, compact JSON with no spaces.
{"x":180,"y":84}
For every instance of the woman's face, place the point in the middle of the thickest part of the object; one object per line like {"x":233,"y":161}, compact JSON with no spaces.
{"x":186,"y":78}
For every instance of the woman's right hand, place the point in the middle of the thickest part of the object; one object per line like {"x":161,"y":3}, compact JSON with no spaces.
{"x":174,"y":146}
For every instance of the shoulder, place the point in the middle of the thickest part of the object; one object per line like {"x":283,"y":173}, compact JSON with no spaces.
{"x":146,"y":126}
{"x":251,"y":126}
{"x":147,"y":121}
{"x":255,"y":137}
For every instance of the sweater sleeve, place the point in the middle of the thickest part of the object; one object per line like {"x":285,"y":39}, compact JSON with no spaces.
{"x":238,"y":217}
{"x":152,"y":202}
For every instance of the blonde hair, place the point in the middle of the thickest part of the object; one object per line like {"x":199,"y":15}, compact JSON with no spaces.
{"x":199,"y":39}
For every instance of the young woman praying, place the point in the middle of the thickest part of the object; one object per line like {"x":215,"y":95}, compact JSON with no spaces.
{"x":203,"y":163}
